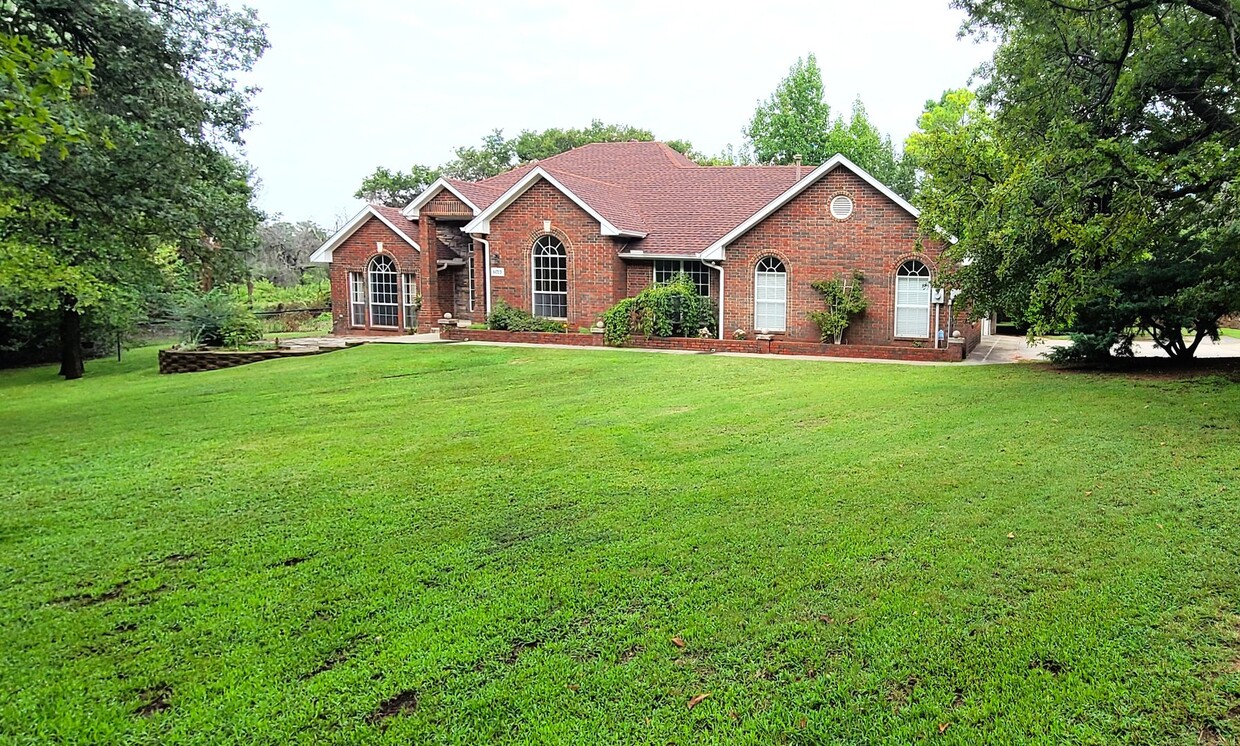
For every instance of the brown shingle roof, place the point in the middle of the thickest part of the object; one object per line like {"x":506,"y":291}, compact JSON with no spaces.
{"x":646,"y":187}
{"x":403,"y":224}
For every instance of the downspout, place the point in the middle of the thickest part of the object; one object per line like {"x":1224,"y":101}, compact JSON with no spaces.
{"x":720,"y":268}
{"x":486,"y":271}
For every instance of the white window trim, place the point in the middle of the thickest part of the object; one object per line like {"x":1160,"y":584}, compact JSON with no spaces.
{"x":680,"y":263}
{"x":534,"y":279}
{"x":896,"y":306}
{"x":756,"y":325}
{"x":370,"y":287}
{"x":408,"y":290}
{"x":361,"y":285}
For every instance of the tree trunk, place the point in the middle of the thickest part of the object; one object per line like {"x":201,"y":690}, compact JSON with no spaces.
{"x":71,"y":365}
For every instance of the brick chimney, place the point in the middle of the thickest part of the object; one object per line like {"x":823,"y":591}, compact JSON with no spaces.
{"x":797,"y":160}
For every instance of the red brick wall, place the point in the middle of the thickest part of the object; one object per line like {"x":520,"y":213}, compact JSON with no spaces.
{"x":875,"y":239}
{"x":446,"y":204}
{"x":951,"y":353}
{"x":640,"y":277}
{"x":354,"y":255}
{"x":596,"y":274}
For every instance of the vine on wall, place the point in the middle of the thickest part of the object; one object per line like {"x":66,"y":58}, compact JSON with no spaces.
{"x":844,"y":302}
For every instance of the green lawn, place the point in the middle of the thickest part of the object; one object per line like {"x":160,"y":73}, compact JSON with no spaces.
{"x":1235,"y":333}
{"x":454,"y":544}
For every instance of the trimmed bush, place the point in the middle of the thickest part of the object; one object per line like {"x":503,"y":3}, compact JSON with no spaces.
{"x":507,"y":318}
{"x":669,"y":309}
{"x":215,"y":319}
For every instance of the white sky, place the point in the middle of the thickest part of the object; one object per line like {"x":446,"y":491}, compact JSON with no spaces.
{"x":349,"y":85}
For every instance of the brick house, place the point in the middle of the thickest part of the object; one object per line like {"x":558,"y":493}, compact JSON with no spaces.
{"x":568,"y":237}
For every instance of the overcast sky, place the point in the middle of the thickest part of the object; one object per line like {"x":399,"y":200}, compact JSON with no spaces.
{"x":349,"y":85}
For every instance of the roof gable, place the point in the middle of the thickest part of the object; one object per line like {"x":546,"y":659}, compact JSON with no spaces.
{"x":609,"y":209}
{"x":389,"y":216}
{"x":412,"y":209}
{"x":716,"y":250}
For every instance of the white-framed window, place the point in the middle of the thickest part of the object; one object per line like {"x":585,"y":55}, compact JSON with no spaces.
{"x":384,"y":292}
{"x":357,"y":299}
{"x":770,"y":295}
{"x":666,"y":269}
{"x":409,"y":290}
{"x":913,"y":300}
{"x":550,"y":278}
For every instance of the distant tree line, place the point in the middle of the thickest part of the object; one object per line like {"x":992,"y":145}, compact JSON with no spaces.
{"x":795,"y":120}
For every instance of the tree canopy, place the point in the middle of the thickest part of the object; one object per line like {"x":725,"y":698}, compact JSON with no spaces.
{"x":796,"y":120}
{"x":1091,"y":184}
{"x":38,"y":86}
{"x":146,"y":153}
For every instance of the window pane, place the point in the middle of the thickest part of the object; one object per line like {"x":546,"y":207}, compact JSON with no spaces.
{"x":409,"y":289}
{"x":770,"y":292}
{"x":550,"y":280}
{"x":912,"y":306}
{"x":357,"y":299}
{"x":665,"y":270}
{"x":384,"y":292}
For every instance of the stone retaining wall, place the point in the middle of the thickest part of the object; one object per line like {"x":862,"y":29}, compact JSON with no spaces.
{"x":952,"y":353}
{"x":194,"y":361}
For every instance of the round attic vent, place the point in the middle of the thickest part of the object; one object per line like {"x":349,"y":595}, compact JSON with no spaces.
{"x":841,"y":207}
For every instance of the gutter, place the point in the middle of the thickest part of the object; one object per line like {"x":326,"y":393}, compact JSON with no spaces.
{"x":721,"y":295}
{"x":641,"y":255}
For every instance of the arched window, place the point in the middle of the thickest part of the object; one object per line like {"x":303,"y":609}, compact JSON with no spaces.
{"x":384,"y":292}
{"x":770,"y":295}
{"x":913,"y":300}
{"x":550,"y":278}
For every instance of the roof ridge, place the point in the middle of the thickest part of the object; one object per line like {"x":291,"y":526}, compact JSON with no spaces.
{"x":587,"y":178}
{"x":630,"y":197}
{"x":480,"y":183}
{"x":668,"y":151}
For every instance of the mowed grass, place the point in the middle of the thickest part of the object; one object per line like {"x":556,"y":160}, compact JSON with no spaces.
{"x":466,"y":544}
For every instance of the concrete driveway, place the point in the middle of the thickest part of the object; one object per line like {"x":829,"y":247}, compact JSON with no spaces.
{"x":1002,"y":348}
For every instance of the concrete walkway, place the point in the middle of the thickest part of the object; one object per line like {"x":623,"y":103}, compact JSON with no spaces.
{"x":294,"y":343}
{"x":995,"y":349}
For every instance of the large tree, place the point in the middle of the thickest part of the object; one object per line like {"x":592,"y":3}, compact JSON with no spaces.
{"x":796,"y":120}
{"x":1103,"y":197}
{"x":155,"y":165}
{"x":283,"y":251}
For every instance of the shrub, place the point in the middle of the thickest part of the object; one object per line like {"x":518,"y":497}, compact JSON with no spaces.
{"x":507,"y":318}
{"x":1092,"y":348}
{"x":844,"y":301}
{"x":215,"y":318}
{"x":669,"y":309}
